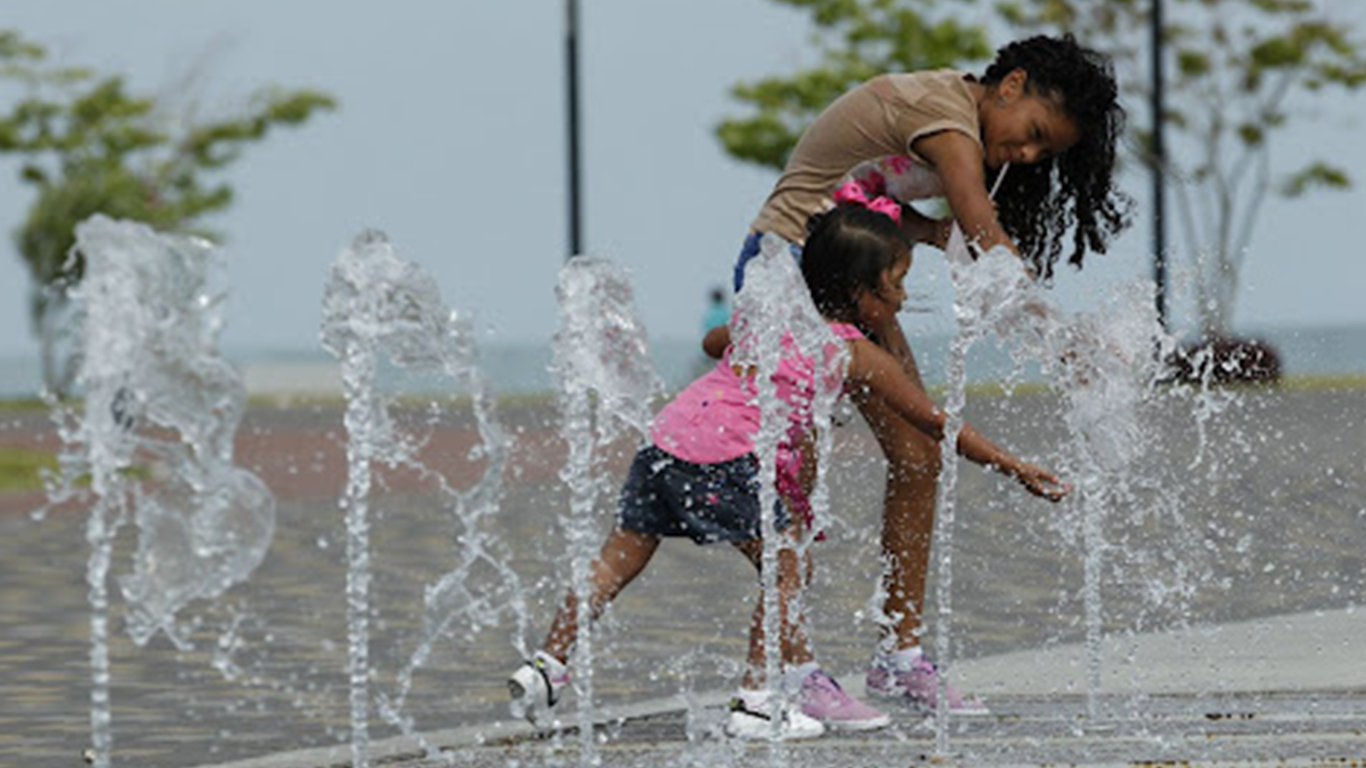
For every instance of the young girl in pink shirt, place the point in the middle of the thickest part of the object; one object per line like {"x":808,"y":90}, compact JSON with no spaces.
{"x":699,"y":478}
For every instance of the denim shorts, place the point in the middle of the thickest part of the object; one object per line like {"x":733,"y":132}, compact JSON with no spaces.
{"x":667,"y":496}
{"x":751,"y":249}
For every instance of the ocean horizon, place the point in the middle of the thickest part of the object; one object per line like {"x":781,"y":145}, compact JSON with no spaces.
{"x":522,"y":368}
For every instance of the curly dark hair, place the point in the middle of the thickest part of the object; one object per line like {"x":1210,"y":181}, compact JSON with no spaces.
{"x":1039,"y":203}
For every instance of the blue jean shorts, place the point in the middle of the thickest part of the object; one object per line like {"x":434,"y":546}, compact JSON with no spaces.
{"x":667,"y":496}
{"x":751,"y":249}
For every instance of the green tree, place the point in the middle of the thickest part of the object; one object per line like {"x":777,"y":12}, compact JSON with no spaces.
{"x":856,"y":40}
{"x":1241,"y":72}
{"x":88,"y":146}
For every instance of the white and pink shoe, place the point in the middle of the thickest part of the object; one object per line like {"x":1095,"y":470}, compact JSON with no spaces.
{"x":917,"y":684}
{"x":823,"y":699}
{"x":536,"y":687}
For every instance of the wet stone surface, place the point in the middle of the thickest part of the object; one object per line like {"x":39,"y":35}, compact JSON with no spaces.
{"x":1258,"y":511}
{"x":1268,"y":729}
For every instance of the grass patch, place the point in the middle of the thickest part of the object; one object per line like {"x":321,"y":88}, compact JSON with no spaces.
{"x":21,"y":470}
{"x":23,"y":405}
{"x":1324,"y":383}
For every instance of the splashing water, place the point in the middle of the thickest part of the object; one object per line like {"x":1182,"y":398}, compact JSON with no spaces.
{"x":775,"y":318}
{"x":157,"y":392}
{"x":946,"y":507}
{"x":606,"y":388}
{"x":376,"y":307}
{"x":1104,"y":365}
{"x":968,"y":311}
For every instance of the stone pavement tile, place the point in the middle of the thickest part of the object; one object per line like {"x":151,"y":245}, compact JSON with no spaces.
{"x":1324,"y":729}
{"x":1192,"y":707}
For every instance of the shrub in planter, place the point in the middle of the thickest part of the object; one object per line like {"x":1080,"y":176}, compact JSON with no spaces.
{"x":1226,"y":360}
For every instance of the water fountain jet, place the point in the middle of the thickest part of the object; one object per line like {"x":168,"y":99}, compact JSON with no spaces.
{"x":379,"y":308}
{"x":606,"y":388}
{"x":157,"y":393}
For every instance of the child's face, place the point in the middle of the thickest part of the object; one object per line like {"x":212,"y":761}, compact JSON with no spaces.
{"x":881,"y":305}
{"x":1020,"y":126}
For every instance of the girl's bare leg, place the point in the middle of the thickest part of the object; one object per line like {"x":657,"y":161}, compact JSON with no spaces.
{"x":624,"y":555}
{"x":913,"y":462}
{"x":794,"y":646}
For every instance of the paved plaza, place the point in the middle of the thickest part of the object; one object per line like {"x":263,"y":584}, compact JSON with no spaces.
{"x":1228,"y":584}
{"x":1285,"y":691}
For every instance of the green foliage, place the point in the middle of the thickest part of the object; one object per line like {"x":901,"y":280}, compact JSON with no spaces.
{"x":1192,"y":63}
{"x":1237,"y":61}
{"x":1238,"y":64}
{"x":855,"y":40}
{"x":1319,"y":175}
{"x":1251,"y":134}
{"x":1243,"y":70}
{"x":22,"y":470}
{"x":88,"y":146}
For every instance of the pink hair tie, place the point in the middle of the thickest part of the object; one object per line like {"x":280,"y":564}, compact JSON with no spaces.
{"x":853,"y":192}
{"x":886,"y":205}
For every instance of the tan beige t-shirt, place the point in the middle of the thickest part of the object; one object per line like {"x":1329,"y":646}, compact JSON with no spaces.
{"x":877,"y":120}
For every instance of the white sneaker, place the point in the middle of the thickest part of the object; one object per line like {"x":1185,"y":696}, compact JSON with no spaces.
{"x":536,"y":686}
{"x":749,"y":720}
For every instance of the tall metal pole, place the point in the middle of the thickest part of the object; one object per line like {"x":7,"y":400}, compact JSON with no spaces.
{"x":1159,"y":168}
{"x":571,"y":54}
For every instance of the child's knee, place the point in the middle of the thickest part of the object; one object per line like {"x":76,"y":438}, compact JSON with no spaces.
{"x":789,"y":570}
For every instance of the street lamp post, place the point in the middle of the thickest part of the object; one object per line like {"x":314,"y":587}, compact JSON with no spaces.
{"x":1159,"y":162}
{"x":571,"y":53}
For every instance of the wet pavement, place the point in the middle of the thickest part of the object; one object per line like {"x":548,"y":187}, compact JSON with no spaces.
{"x":1256,"y":514}
{"x":1288,"y":690}
{"x":1267,"y":728}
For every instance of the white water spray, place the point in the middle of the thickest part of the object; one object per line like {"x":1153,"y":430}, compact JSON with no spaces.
{"x":158,"y":394}
{"x":379,"y":306}
{"x":606,"y":388}
{"x":968,"y":315}
{"x":775,"y":318}
{"x":1104,"y":366}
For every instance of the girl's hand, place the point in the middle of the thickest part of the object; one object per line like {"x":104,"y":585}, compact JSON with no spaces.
{"x":1041,"y":482}
{"x":716,"y":341}
{"x":920,"y":228}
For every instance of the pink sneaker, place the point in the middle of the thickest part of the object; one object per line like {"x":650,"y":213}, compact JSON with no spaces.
{"x":919,"y":686}
{"x":823,"y":699}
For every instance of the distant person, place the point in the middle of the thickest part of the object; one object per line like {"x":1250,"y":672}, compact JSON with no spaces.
{"x":718,"y":310}
{"x":717,"y":314}
{"x":1046,"y":106}
{"x":699,"y":479}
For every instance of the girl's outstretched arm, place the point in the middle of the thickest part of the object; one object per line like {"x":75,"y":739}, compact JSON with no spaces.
{"x":881,"y":375}
{"x":958,"y":161}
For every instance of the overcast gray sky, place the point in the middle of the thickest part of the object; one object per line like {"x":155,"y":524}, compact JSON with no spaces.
{"x":450,"y":138}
